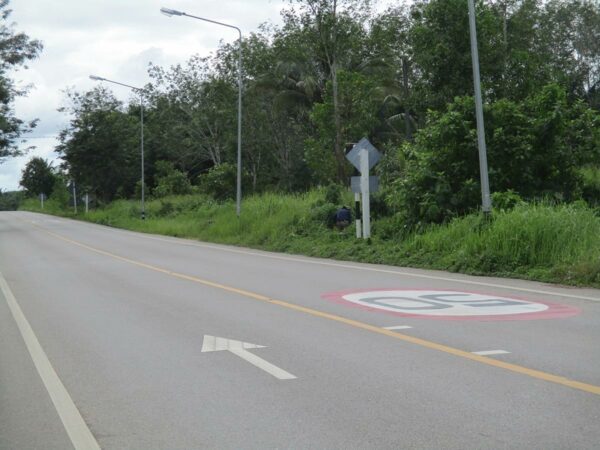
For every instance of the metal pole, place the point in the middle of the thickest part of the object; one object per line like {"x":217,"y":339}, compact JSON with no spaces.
{"x":42,"y":199}
{"x":239,"y":149}
{"x":171,"y":12}
{"x":357,"y":215}
{"x":142,"y":150}
{"x":74,"y":197}
{"x":87,"y":202}
{"x":483,"y":167}
{"x":364,"y":188}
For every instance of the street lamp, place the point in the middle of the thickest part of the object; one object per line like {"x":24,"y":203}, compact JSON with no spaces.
{"x":173,"y":12}
{"x":483,"y":167}
{"x":97,"y":78}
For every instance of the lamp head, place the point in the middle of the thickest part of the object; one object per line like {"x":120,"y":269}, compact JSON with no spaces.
{"x":171,"y":12}
{"x":96,"y":78}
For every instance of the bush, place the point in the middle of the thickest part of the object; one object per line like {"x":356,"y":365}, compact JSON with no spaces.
{"x":324,"y":214}
{"x":60,"y":193}
{"x":590,"y":186}
{"x":506,"y":200}
{"x":220,"y":182}
{"x":333,"y":194}
{"x":166,"y":209}
{"x":170,"y":181}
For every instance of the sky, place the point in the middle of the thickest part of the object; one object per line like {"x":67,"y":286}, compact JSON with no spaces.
{"x":114,"y":39}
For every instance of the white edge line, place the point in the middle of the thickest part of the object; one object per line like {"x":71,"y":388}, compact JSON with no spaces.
{"x":491,"y":352}
{"x":76,"y":428}
{"x":177,"y":241}
{"x":398,"y":327}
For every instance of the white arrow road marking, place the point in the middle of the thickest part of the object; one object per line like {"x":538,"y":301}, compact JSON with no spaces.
{"x":216,"y":344}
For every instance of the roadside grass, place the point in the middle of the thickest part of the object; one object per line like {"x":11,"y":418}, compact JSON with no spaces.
{"x":549,"y":243}
{"x":545,"y":242}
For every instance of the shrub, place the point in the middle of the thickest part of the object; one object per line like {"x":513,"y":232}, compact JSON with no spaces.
{"x":590,"y":186}
{"x":219,"y":182}
{"x":333,"y":194}
{"x":60,"y":193}
{"x":170,"y":181}
{"x":506,"y":200}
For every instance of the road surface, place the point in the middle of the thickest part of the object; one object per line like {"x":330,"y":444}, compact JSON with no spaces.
{"x":119,"y":340}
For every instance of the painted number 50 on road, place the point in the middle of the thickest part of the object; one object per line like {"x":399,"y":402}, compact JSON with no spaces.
{"x":450,"y":304}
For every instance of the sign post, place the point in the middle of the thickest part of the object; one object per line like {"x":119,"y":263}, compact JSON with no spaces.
{"x":363,"y":156}
{"x":364,"y":188}
{"x":42,"y":199}
{"x":357,"y":215}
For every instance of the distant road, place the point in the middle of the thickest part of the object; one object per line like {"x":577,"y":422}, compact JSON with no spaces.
{"x":119,"y":340}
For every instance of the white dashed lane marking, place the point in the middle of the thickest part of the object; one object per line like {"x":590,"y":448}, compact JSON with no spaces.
{"x":491,"y":352}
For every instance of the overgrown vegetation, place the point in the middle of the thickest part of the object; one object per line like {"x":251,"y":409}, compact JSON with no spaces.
{"x":10,"y":201}
{"x":555,"y":243}
{"x":335,"y":72}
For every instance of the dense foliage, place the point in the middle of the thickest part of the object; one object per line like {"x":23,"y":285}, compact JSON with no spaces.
{"x":535,"y":148}
{"x":15,"y":50}
{"x":10,"y":201}
{"x":337,"y":71}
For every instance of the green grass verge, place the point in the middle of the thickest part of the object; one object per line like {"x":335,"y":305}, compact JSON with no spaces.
{"x":552,"y":243}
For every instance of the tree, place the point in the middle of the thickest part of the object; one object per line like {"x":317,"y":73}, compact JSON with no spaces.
{"x":170,"y":181}
{"x":571,"y":31}
{"x":334,"y":29}
{"x":38,"y":177}
{"x":191,"y":120}
{"x":535,"y":148}
{"x":100,"y":147}
{"x":15,"y":50}
{"x":357,"y":110}
{"x":523,"y":46}
{"x":440,"y":47}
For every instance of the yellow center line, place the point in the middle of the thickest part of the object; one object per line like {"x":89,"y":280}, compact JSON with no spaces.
{"x":538,"y":374}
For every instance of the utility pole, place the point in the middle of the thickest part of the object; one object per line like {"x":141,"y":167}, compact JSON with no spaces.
{"x":483,"y":167}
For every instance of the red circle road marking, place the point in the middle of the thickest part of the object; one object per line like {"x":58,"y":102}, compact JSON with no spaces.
{"x":449,"y":305}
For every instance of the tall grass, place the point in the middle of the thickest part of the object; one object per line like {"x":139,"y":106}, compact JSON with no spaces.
{"x":538,"y":241}
{"x":559,"y":243}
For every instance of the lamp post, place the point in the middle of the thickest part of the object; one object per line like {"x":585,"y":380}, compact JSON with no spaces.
{"x":97,"y":78}
{"x":173,"y":12}
{"x":483,"y":167}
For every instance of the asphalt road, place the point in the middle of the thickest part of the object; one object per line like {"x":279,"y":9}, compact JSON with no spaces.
{"x":108,"y":339}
